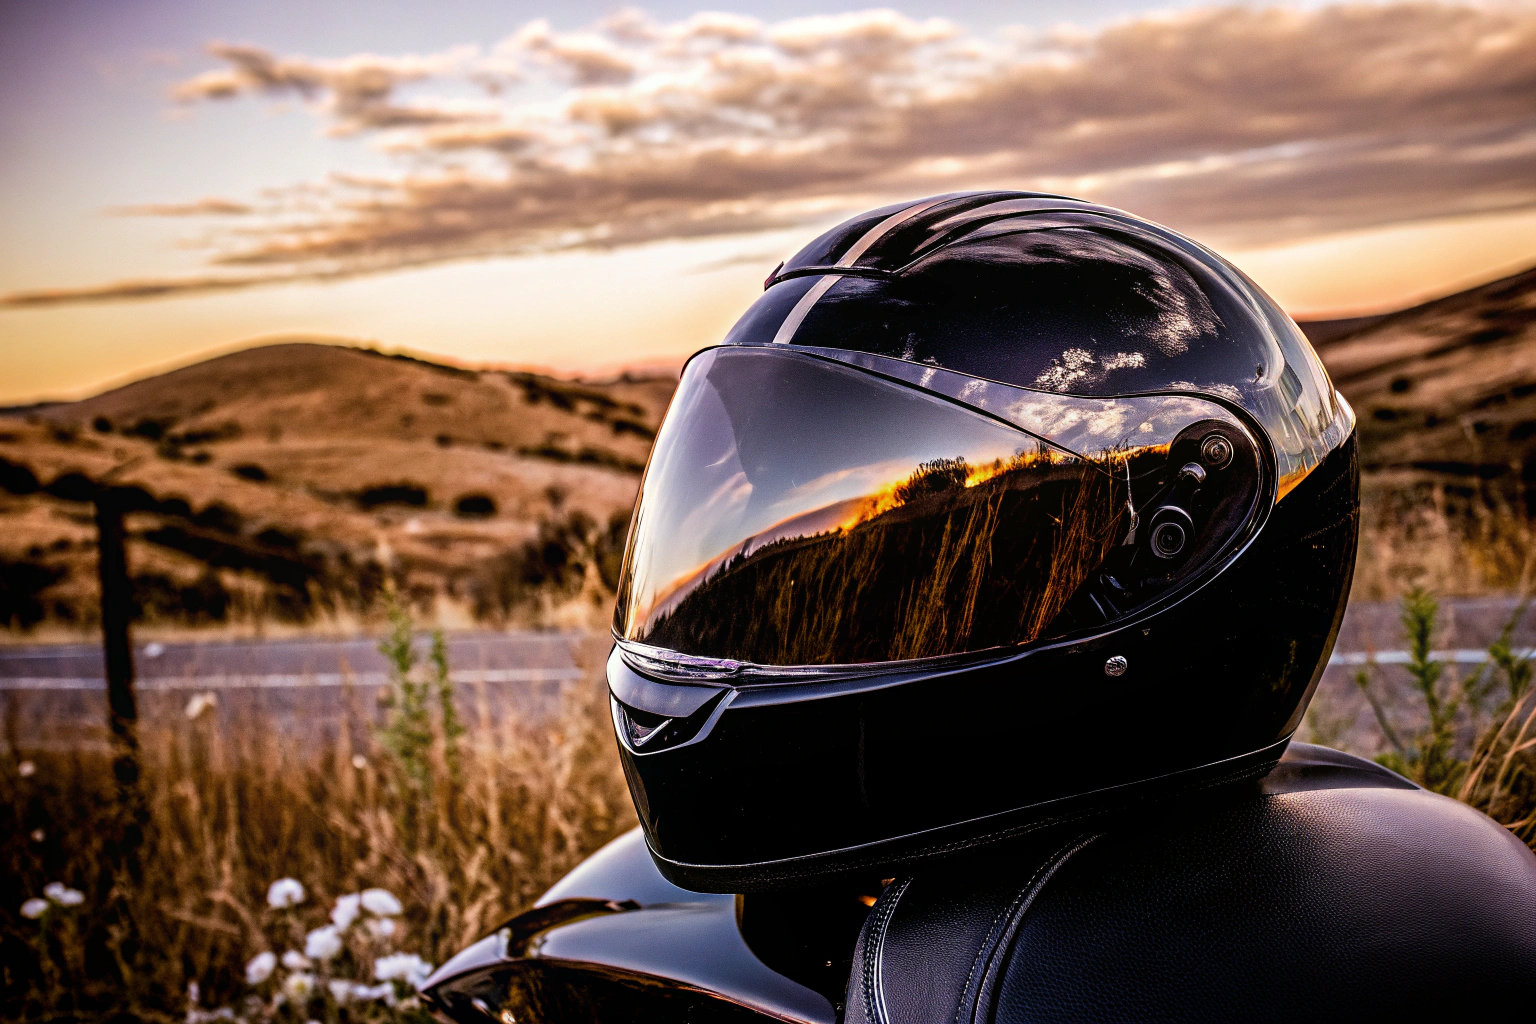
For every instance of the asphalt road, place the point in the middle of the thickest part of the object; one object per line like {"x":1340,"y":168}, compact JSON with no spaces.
{"x":55,"y":694}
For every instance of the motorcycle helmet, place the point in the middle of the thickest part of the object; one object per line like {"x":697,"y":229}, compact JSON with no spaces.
{"x":995,"y":508}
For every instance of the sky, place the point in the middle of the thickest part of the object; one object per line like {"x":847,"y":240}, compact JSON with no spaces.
{"x":588,"y":186}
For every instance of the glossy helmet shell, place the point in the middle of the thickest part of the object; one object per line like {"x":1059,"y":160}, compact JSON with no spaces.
{"x":752,"y":771}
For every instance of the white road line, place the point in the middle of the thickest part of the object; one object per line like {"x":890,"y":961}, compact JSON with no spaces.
{"x":1464,"y":656}
{"x":1351,"y":659}
{"x":281,"y":681}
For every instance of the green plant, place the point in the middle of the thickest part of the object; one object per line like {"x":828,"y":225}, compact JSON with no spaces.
{"x":1515,"y":667}
{"x":1428,"y":755}
{"x":408,"y":733}
{"x":452,"y":727}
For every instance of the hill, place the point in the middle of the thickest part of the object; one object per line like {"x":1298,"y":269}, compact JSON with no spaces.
{"x":286,"y":483}
{"x":1446,"y":398}
{"x":1447,"y":387}
{"x":283,"y":481}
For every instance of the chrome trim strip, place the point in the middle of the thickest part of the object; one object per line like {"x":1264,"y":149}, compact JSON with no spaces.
{"x":875,"y":233}
{"x":791,"y":324}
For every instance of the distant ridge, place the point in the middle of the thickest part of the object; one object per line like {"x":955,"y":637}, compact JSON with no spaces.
{"x":1447,"y":388}
{"x":1322,"y":332}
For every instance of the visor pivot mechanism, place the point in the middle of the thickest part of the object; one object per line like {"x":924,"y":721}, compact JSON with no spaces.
{"x":1216,"y":450}
{"x":1172,"y":525}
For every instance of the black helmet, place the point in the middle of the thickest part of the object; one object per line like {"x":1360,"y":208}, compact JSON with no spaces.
{"x":994,"y":508}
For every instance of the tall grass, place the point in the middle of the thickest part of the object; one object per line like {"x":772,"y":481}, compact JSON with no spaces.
{"x":466,"y":824}
{"x":1415,"y":533}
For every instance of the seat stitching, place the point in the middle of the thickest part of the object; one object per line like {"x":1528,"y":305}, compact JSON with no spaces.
{"x":1025,"y":894}
{"x":873,"y":955}
{"x":1010,"y":930}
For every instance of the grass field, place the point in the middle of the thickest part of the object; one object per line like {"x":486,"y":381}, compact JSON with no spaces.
{"x":175,"y":896}
{"x":164,"y":901}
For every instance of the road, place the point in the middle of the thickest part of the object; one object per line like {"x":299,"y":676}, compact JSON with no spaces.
{"x":55,"y":695}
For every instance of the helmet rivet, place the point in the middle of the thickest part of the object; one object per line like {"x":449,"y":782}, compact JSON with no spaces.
{"x":1216,"y":451}
{"x":1115,"y":667}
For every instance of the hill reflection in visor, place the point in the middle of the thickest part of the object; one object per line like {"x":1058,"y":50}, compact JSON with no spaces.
{"x":800,"y":511}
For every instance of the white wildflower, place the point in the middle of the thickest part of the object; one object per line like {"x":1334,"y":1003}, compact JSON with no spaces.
{"x":383,"y":990}
{"x":259,"y":968}
{"x":381,"y":927}
{"x":154,"y":649}
{"x":345,"y":911}
{"x":285,"y":893}
{"x":299,"y":985}
{"x":323,"y":943}
{"x":359,"y":762}
{"x":200,"y":703}
{"x":63,"y":895}
{"x":34,"y":908}
{"x":341,"y":990}
{"x":406,"y":967}
{"x":381,"y":902}
{"x":26,"y":769}
{"x":296,"y":961}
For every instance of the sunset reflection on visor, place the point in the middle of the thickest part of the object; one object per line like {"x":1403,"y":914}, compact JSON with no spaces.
{"x":799,"y":511}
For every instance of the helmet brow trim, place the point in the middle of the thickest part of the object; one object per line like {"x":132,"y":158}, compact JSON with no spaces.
{"x":791,"y":324}
{"x":877,"y":232}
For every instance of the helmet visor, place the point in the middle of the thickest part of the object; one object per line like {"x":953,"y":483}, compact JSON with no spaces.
{"x":798,"y":510}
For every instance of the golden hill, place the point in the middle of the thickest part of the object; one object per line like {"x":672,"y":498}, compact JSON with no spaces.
{"x":1447,"y":387}
{"x":285,"y":479}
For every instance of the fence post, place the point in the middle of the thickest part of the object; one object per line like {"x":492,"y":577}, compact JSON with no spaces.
{"x":117,"y":647}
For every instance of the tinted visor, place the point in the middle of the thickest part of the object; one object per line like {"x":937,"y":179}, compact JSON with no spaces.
{"x":798,"y":510}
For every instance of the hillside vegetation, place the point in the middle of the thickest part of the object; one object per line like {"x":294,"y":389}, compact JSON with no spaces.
{"x":1446,"y":398}
{"x":281,"y":484}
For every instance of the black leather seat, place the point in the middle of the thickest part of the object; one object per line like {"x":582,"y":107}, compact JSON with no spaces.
{"x":1331,"y":890}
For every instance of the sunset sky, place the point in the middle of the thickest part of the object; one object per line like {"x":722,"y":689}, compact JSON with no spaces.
{"x":588,"y":186}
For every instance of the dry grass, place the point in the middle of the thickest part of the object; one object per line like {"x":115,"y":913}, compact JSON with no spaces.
{"x":1419,"y":533}
{"x":478,"y":835}
{"x":1501,"y":777}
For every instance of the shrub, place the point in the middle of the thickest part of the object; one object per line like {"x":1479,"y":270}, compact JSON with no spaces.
{"x":475,"y":506}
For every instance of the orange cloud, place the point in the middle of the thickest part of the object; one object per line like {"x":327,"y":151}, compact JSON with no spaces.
{"x":209,"y":206}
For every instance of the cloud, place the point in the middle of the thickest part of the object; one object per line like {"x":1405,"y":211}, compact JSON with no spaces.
{"x":355,"y":94}
{"x":209,"y":206}
{"x":146,"y":288}
{"x":142,"y":288}
{"x":1246,"y":126}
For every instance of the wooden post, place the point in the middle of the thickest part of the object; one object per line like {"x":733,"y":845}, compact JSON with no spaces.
{"x":116,"y":612}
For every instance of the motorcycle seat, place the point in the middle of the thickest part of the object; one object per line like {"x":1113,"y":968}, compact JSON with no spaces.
{"x":1330,"y":890}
